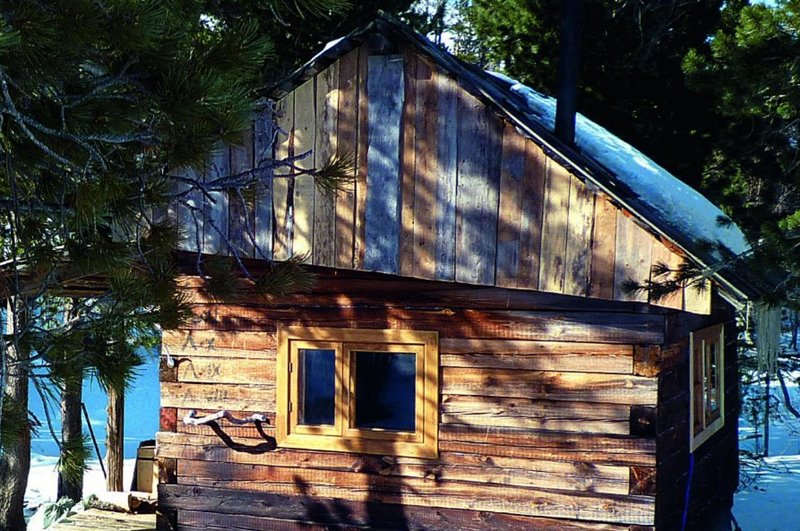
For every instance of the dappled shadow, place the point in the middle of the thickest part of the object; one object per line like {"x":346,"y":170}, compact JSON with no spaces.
{"x":268,"y":445}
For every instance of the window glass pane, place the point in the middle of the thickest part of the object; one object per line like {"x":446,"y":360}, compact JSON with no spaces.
{"x":317,"y":386}
{"x":698,"y":389}
{"x":713,"y":398}
{"x":385,"y":390}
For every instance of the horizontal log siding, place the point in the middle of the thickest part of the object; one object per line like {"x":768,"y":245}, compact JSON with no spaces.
{"x":715,"y":472}
{"x":444,"y":188}
{"x":534,"y":426}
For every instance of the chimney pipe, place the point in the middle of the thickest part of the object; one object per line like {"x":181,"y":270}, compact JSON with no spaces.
{"x":569,"y":48}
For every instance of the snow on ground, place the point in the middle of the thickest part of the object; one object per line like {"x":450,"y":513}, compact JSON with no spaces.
{"x":141,"y":412}
{"x":43,"y":480}
{"x":768,"y":500}
{"x":770,"y":504}
{"x":141,"y":423}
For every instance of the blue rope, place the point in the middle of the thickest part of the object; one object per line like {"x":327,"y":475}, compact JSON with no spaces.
{"x":688,"y":491}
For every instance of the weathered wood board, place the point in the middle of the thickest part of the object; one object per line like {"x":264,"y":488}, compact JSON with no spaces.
{"x":443,"y":188}
{"x":534,"y":405}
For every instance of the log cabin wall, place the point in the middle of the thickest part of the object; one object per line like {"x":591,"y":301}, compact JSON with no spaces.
{"x":445,"y":188}
{"x":546,"y":414}
{"x":714,"y":478}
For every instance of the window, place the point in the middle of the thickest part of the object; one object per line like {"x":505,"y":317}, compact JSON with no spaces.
{"x":371,"y":391}
{"x":707,"y":391}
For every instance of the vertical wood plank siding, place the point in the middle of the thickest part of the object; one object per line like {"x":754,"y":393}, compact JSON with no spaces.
{"x":327,"y":105}
{"x":408,"y":158}
{"x":633,"y":258}
{"x":382,"y":217}
{"x":305,"y":130}
{"x":426,"y":170}
{"x":262,"y":221}
{"x":241,"y":225}
{"x":284,"y":149}
{"x":447,"y":157}
{"x":346,"y":143}
{"x":215,"y":230}
{"x":476,"y":191}
{"x":189,"y":218}
{"x":509,"y":234}
{"x":444,"y":189}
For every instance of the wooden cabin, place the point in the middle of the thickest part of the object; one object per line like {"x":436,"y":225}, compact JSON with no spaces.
{"x":469,"y":357}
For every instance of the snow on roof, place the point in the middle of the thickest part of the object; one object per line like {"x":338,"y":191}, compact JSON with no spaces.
{"x":673,"y":202}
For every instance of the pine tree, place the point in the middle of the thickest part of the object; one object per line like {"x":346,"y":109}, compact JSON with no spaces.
{"x":630,"y":78}
{"x":101,"y":102}
{"x":753,"y":171}
{"x":319,"y":22}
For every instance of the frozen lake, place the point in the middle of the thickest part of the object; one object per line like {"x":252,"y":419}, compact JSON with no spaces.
{"x":141,"y":413}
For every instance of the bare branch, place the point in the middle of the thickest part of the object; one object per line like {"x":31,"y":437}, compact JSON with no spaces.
{"x":193,"y":420}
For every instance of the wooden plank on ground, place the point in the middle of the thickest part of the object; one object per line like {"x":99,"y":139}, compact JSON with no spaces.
{"x":425,"y":172}
{"x":305,"y":129}
{"x":633,"y":260}
{"x":97,"y":520}
{"x":509,"y":221}
{"x":347,"y":138}
{"x":325,"y":146}
{"x":579,"y":238}
{"x":408,"y":158}
{"x":281,"y":199}
{"x":447,"y":175}
{"x":562,"y":386}
{"x":554,"y":228}
{"x":604,"y":246}
{"x":477,"y":194}
{"x":385,"y":89}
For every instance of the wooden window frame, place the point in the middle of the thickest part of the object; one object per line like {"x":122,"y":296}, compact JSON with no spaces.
{"x":343,"y":435}
{"x":703,"y":345}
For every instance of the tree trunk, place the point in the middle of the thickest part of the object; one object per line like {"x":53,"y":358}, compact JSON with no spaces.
{"x":766,"y":415}
{"x":71,"y":435}
{"x":114,"y":439}
{"x":15,"y":459}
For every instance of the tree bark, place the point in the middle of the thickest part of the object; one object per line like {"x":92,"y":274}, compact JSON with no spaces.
{"x":71,"y":435}
{"x":114,"y":439}
{"x":766,"y":414}
{"x":15,"y":459}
